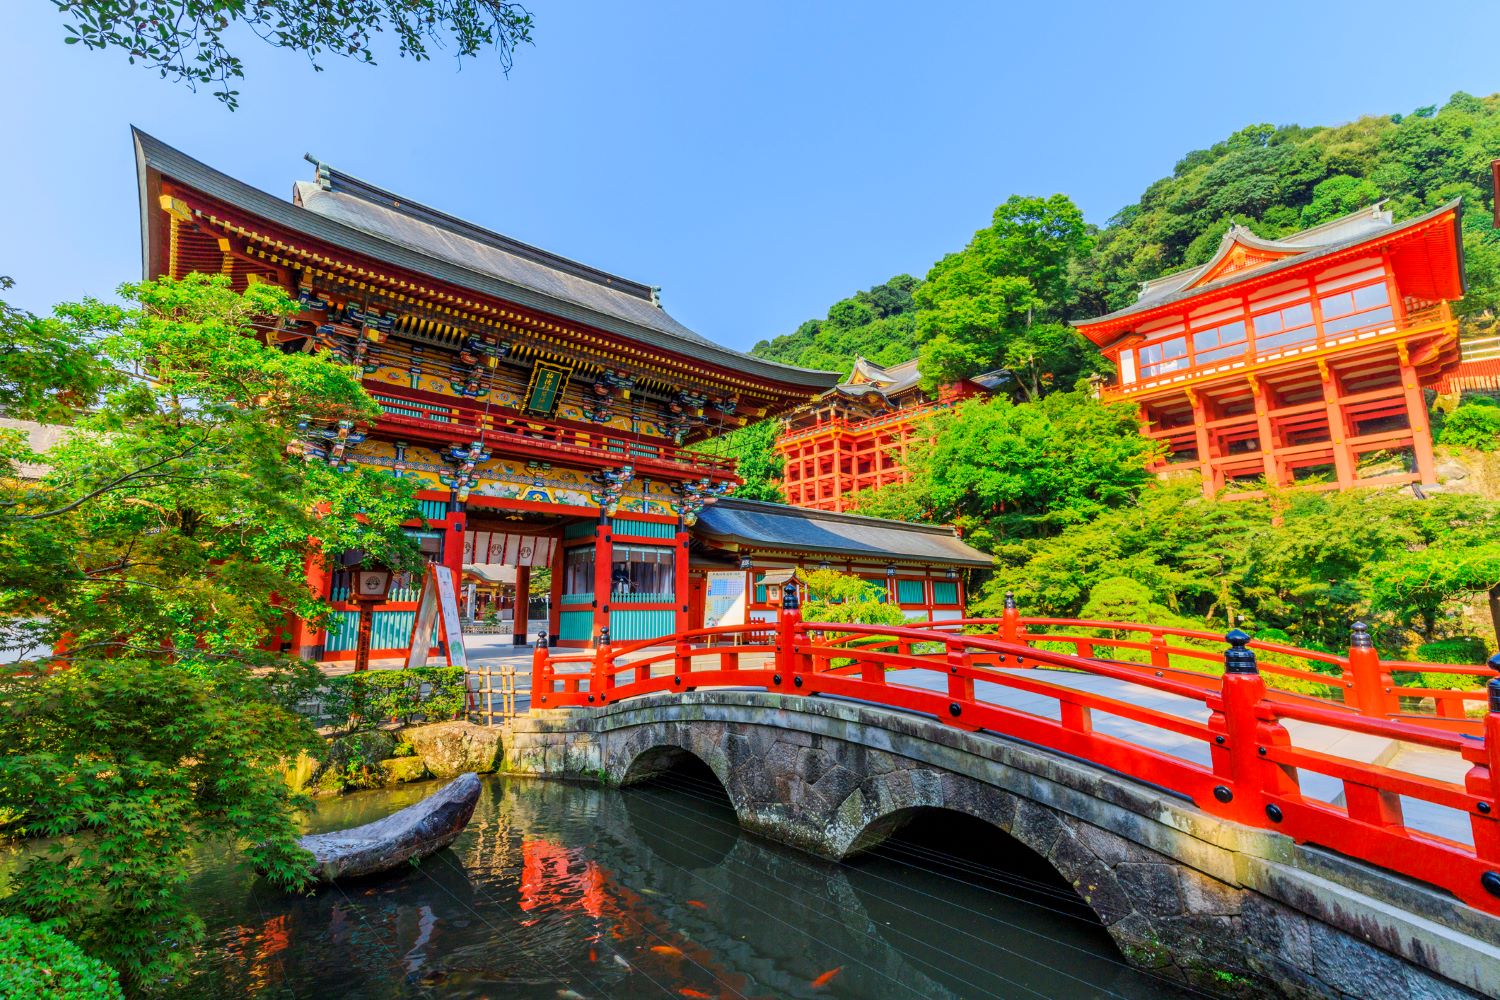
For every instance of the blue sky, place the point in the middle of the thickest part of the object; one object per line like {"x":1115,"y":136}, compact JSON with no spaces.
{"x":759,"y":161}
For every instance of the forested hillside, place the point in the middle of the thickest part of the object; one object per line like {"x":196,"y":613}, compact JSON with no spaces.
{"x":1055,"y":484}
{"x":1002,"y":300}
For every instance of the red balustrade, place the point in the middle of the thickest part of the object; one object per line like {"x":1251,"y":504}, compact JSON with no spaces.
{"x":1247,"y":766}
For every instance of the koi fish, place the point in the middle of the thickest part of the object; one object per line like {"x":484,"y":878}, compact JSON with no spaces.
{"x":620,"y":961}
{"x":593,"y":955}
{"x":666,"y":949}
{"x":569,"y":995}
{"x":826,"y":977}
{"x":688,"y":991}
{"x":697,"y":904}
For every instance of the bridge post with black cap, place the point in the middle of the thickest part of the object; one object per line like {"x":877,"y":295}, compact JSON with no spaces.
{"x":787,"y":621}
{"x":1368,"y":687}
{"x":541,"y":670}
{"x":1237,"y":746}
{"x":1483,"y":782}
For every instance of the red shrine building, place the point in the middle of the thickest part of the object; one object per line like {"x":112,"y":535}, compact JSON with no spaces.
{"x":1296,"y":361}
{"x":855,"y":436}
{"x":546,"y":409}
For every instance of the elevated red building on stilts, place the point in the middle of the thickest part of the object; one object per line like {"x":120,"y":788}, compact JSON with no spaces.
{"x":1298,"y":361}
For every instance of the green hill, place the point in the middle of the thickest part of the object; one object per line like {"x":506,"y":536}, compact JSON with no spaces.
{"x":1002,"y":300}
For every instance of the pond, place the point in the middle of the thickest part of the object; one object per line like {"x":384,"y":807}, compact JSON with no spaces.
{"x":561,"y":891}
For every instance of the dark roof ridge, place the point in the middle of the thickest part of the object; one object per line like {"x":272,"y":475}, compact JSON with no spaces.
{"x":151,"y":154}
{"x":936,"y":529}
{"x":340,"y":182}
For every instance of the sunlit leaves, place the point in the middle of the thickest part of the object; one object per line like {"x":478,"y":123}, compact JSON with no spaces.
{"x":189,"y":40}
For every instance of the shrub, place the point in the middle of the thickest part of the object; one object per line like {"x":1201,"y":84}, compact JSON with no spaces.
{"x":371,"y":697}
{"x":37,"y":964}
{"x":1472,"y":425}
{"x":1465,"y":650}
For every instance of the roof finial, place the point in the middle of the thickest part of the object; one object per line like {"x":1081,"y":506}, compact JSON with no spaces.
{"x":656,"y":296}
{"x":324,"y":181}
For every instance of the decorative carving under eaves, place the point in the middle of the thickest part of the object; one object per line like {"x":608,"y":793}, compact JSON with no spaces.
{"x":326,"y":444}
{"x":611,"y":487}
{"x":612,"y":383}
{"x":695,"y":494}
{"x":461,"y":461}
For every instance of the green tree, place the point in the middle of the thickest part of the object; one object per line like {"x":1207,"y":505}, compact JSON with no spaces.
{"x":876,"y":324}
{"x":188,"y":40}
{"x":37,"y":964}
{"x":165,"y":538}
{"x":754,"y":450}
{"x":1008,"y":470}
{"x":989,"y":304}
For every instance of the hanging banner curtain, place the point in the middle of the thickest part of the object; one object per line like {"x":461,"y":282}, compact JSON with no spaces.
{"x":501,"y":547}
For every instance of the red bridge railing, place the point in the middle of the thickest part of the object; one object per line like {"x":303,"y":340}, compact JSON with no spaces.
{"x":1227,"y":746}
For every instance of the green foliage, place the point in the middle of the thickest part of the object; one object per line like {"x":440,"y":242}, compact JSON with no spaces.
{"x":876,"y":324}
{"x":1008,"y":470}
{"x":124,"y":765}
{"x":1305,"y":565}
{"x":1279,"y":179}
{"x":36,"y":964}
{"x":380,"y":696}
{"x":993,"y":303}
{"x":165,"y":538}
{"x":1465,"y":650}
{"x":1473,"y":425}
{"x":186,"y":39}
{"x":754,"y":450}
{"x":842,"y":598}
{"x":1003,"y":299}
{"x":169,"y":519}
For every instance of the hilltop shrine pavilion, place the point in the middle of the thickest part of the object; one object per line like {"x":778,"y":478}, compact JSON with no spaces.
{"x":1288,"y":359}
{"x":545,"y":407}
{"x":855,"y":436}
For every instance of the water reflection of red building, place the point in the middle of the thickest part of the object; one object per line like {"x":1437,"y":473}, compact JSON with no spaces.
{"x":562,"y":879}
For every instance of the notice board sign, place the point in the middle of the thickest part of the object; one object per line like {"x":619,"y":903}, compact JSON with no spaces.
{"x":438,"y":606}
{"x":546,"y":387}
{"x":724,"y":599}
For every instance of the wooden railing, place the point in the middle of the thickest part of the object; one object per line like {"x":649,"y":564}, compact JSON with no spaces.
{"x":546,"y":435}
{"x":1246,"y":766}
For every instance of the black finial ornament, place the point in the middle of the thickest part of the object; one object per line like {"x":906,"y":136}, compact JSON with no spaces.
{"x":1239,"y":658}
{"x":1010,"y":601}
{"x":789,"y":599}
{"x":541,"y":639}
{"x":604,"y":636}
{"x":1359,"y":636}
{"x":1493,"y":687}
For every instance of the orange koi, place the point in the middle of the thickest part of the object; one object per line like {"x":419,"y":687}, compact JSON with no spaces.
{"x":666,"y":949}
{"x":593,"y":955}
{"x":826,"y":977}
{"x":688,"y":991}
{"x":697,"y":904}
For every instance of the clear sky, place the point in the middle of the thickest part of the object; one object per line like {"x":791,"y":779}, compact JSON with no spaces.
{"x":758,"y":160}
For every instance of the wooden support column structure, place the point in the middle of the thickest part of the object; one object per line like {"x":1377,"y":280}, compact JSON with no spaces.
{"x":680,"y":584}
{"x":1201,"y":440}
{"x":1264,"y":432}
{"x":554,"y":604}
{"x":453,"y":544}
{"x":1416,"y":415}
{"x":523,"y":605}
{"x":1338,"y":427}
{"x":604,"y":564}
{"x":308,"y":641}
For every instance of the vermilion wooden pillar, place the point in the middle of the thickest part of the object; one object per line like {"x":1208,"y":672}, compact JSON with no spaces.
{"x":523,"y":605}
{"x":554,"y":605}
{"x":604,"y":564}
{"x":307,"y":640}
{"x":453,"y":545}
{"x":1421,"y":430}
{"x":1338,"y":430}
{"x":680,"y":578}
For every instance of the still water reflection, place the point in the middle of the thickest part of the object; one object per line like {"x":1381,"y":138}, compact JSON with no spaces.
{"x":559,"y":892}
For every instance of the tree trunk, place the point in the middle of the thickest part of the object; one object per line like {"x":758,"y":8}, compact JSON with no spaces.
{"x":1495,"y":613}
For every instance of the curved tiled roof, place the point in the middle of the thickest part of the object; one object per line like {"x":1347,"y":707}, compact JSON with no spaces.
{"x":762,"y":525}
{"x":360,"y":218}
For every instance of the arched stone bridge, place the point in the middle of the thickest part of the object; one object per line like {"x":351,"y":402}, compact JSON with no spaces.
{"x":1181,"y":892}
{"x":1301,"y":826}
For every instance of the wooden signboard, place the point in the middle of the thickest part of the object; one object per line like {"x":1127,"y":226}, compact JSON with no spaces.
{"x":546,"y":387}
{"x":438,"y":606}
